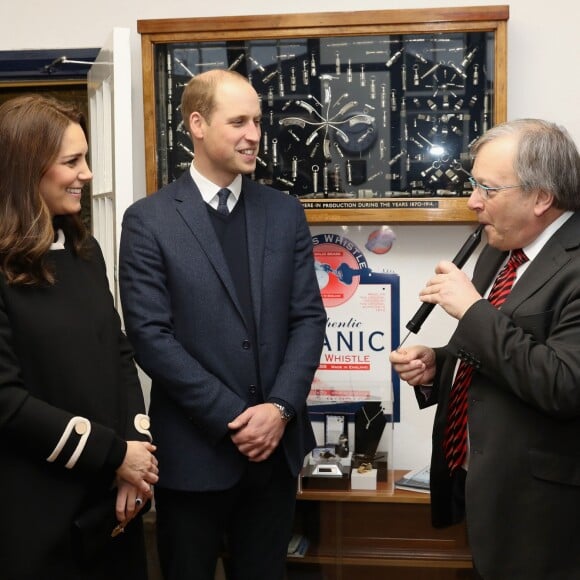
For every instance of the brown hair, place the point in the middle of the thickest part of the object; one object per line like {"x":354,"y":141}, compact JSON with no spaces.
{"x":199,"y":93}
{"x":31,"y":133}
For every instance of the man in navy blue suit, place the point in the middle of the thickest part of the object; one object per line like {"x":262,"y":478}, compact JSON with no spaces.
{"x":222,"y":306}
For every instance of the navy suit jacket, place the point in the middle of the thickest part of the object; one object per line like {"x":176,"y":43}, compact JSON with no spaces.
{"x":187,"y":328}
{"x":523,"y":483}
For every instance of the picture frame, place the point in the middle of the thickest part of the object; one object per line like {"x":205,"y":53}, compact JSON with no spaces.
{"x":335,"y":427}
{"x":367,"y":116}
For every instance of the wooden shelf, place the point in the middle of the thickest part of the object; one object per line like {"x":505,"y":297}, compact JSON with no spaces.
{"x":395,"y":210}
{"x":362,"y":530}
{"x":385,"y":493}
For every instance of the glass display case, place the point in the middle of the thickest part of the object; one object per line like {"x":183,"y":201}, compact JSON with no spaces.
{"x":363,"y":112}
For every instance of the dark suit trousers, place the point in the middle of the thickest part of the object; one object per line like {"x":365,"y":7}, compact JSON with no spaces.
{"x":459,"y":499}
{"x":252,"y":521}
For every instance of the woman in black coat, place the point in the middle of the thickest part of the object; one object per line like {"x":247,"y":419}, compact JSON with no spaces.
{"x":75,"y":455}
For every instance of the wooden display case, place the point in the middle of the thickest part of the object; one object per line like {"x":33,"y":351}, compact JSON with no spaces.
{"x":375,"y":535}
{"x":368,"y":116}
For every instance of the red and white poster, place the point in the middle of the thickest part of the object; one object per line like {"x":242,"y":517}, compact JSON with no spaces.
{"x":362,"y":305}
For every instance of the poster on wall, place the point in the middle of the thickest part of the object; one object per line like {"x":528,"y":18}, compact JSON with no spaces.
{"x":361,"y":297}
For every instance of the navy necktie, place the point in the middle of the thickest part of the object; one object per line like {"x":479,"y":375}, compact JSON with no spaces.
{"x":455,"y":442}
{"x":223,"y":195}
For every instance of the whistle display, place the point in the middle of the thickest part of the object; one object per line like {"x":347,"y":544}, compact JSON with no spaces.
{"x":414,"y":325}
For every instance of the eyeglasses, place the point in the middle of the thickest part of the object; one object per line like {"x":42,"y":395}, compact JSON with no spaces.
{"x":488,"y":192}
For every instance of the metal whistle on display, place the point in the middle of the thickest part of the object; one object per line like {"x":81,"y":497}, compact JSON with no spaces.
{"x":414,"y":325}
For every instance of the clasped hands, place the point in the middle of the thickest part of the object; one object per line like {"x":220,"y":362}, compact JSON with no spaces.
{"x":135,"y":478}
{"x":257,"y":431}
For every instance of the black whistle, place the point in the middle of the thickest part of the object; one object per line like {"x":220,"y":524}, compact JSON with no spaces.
{"x":414,"y":325}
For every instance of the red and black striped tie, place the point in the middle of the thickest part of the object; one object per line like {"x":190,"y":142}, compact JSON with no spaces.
{"x":455,"y":442}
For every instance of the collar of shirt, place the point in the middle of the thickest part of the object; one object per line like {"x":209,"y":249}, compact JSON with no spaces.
{"x":209,"y":189}
{"x":58,"y":244}
{"x":533,"y":249}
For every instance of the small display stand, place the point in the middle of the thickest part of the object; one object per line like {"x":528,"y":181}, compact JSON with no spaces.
{"x":355,"y":453}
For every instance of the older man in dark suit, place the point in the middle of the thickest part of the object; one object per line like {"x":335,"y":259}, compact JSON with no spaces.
{"x":222,"y":306}
{"x":507,"y":427}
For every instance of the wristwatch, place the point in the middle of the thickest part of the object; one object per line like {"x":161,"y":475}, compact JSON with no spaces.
{"x":285,"y":414}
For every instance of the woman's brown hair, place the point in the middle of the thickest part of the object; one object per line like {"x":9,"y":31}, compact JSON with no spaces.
{"x":31,"y":133}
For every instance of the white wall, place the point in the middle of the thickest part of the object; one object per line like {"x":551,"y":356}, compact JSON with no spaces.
{"x":543,"y":81}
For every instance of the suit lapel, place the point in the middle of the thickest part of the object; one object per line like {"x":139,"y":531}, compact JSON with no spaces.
{"x":487,"y":268}
{"x":256,"y":232}
{"x":553,"y":256}
{"x":190,"y":206}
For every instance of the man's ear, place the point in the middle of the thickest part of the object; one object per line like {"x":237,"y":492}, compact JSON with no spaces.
{"x":196,"y":125}
{"x":544,"y":201}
